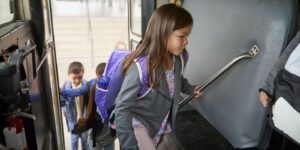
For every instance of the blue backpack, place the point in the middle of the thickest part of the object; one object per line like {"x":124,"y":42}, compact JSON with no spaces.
{"x":109,"y":84}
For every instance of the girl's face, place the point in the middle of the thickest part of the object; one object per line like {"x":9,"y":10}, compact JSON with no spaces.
{"x":76,"y":78}
{"x":178,"y":40}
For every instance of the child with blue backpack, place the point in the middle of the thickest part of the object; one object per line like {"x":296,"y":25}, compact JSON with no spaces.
{"x":99,"y":70}
{"x":75,"y":103}
{"x":101,"y":136}
{"x":142,"y":120}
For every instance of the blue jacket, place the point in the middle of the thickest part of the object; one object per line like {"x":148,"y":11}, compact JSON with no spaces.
{"x":68,"y":99}
{"x":92,"y":82}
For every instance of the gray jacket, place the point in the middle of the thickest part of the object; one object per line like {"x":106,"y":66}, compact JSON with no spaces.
{"x":268,"y":85}
{"x":151,"y":109}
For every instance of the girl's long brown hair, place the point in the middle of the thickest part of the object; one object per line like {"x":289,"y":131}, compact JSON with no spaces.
{"x":162,"y":23}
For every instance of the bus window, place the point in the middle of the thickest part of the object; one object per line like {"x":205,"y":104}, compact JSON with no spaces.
{"x":6,"y":11}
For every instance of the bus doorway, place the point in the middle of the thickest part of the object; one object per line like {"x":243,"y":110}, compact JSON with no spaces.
{"x":86,"y":31}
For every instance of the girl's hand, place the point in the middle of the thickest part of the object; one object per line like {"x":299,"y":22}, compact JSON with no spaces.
{"x":264,"y":98}
{"x":197,"y":93}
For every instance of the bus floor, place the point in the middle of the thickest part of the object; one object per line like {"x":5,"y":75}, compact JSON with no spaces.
{"x":195,"y":133}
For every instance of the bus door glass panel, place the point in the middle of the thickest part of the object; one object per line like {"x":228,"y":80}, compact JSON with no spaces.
{"x":6,"y":11}
{"x":135,"y":22}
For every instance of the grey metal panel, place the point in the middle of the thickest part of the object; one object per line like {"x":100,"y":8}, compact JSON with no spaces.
{"x":38,"y":107}
{"x":223,"y":29}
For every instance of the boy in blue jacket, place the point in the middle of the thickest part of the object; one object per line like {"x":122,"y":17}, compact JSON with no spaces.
{"x":74,"y":98}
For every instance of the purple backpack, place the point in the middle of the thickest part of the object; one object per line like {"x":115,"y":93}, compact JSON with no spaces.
{"x":109,"y":84}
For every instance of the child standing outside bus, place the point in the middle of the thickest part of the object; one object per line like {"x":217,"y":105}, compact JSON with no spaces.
{"x":100,"y":136}
{"x":142,"y":123}
{"x":99,"y":70}
{"x":75,"y":102}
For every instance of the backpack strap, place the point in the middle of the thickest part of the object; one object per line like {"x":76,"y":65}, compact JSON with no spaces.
{"x":142,"y":65}
{"x":184,"y":58}
{"x":68,"y":85}
{"x":91,"y":106}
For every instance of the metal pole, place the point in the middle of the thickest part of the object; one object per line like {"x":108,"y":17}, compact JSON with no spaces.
{"x":248,"y":55}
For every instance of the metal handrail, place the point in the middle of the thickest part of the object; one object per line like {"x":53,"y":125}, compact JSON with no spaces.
{"x":248,"y":55}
